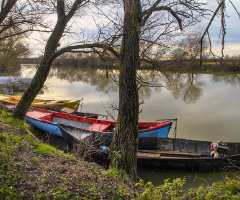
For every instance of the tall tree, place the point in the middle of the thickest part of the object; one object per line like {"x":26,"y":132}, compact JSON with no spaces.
{"x":125,"y":139}
{"x":64,"y":14}
{"x":138,"y":20}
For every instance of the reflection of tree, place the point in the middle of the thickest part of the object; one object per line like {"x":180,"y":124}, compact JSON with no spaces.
{"x":185,"y":86}
{"x":232,"y":79}
{"x":94,"y":77}
{"x":15,"y":72}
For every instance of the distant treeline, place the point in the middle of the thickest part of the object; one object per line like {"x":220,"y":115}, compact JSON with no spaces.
{"x":92,"y":61}
{"x":29,"y":60}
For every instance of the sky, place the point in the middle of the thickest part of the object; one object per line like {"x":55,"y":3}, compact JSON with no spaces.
{"x":232,"y":39}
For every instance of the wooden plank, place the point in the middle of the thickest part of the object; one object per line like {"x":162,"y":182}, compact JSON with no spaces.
{"x":148,"y":155}
{"x":170,"y":153}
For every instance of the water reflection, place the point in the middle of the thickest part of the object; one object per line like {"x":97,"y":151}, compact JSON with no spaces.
{"x":233,"y":79}
{"x":188,"y":87}
{"x":93,"y":77}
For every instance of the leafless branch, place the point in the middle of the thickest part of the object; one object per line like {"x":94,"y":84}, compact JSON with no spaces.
{"x":86,"y":46}
{"x":223,"y":29}
{"x":160,"y":8}
{"x":208,"y":26}
{"x":235,"y":8}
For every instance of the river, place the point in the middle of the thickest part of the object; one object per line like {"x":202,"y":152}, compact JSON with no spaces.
{"x":206,"y":105}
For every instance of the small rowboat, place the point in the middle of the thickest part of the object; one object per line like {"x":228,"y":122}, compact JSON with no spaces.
{"x":49,"y":121}
{"x":41,"y":103}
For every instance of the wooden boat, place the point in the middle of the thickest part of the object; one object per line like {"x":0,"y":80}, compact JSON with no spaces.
{"x":49,"y":120}
{"x":169,"y":154}
{"x":41,"y":103}
{"x":173,"y":154}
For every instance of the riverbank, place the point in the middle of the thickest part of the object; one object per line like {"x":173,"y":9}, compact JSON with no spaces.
{"x":177,"y":65}
{"x":31,"y":169}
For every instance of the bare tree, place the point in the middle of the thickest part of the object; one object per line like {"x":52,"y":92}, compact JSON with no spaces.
{"x":64,"y":14}
{"x":10,"y":51}
{"x":125,"y":139}
{"x":136,"y":19}
{"x":18,"y":17}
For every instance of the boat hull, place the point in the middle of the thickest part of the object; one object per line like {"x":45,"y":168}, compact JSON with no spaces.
{"x":56,"y":105}
{"x":44,"y":126}
{"x":192,"y":155}
{"x":41,"y":103}
{"x":159,"y":132}
{"x":190,"y":164}
{"x":90,"y":125}
{"x":105,"y":138}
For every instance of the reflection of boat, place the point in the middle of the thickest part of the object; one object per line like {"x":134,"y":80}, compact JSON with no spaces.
{"x":47,"y":104}
{"x":171,"y":154}
{"x":49,"y":120}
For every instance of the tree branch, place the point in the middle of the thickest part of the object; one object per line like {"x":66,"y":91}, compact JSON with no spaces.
{"x":164,"y":8}
{"x":235,"y":8}
{"x":86,"y":46}
{"x":207,"y":28}
{"x":60,"y":9}
{"x":147,"y":13}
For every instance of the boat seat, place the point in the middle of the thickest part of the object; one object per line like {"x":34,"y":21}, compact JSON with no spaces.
{"x":98,"y":127}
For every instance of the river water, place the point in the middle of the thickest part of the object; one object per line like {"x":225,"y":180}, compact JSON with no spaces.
{"x":206,"y":105}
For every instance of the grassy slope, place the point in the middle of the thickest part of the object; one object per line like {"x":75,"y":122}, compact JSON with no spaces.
{"x":30,"y":169}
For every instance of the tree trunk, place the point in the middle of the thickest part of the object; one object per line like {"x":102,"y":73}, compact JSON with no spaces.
{"x":125,"y":141}
{"x":42,"y":72}
{"x":44,"y":68}
{"x":6,"y":8}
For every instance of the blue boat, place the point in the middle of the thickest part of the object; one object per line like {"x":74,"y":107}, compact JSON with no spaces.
{"x":44,"y":126}
{"x":49,"y":121}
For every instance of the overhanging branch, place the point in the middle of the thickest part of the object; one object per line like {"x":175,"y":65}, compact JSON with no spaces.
{"x":86,"y":46}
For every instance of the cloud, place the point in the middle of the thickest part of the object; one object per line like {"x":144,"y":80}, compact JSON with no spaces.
{"x":232,"y":49}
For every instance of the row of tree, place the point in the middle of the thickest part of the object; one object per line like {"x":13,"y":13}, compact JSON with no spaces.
{"x":131,"y":30}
